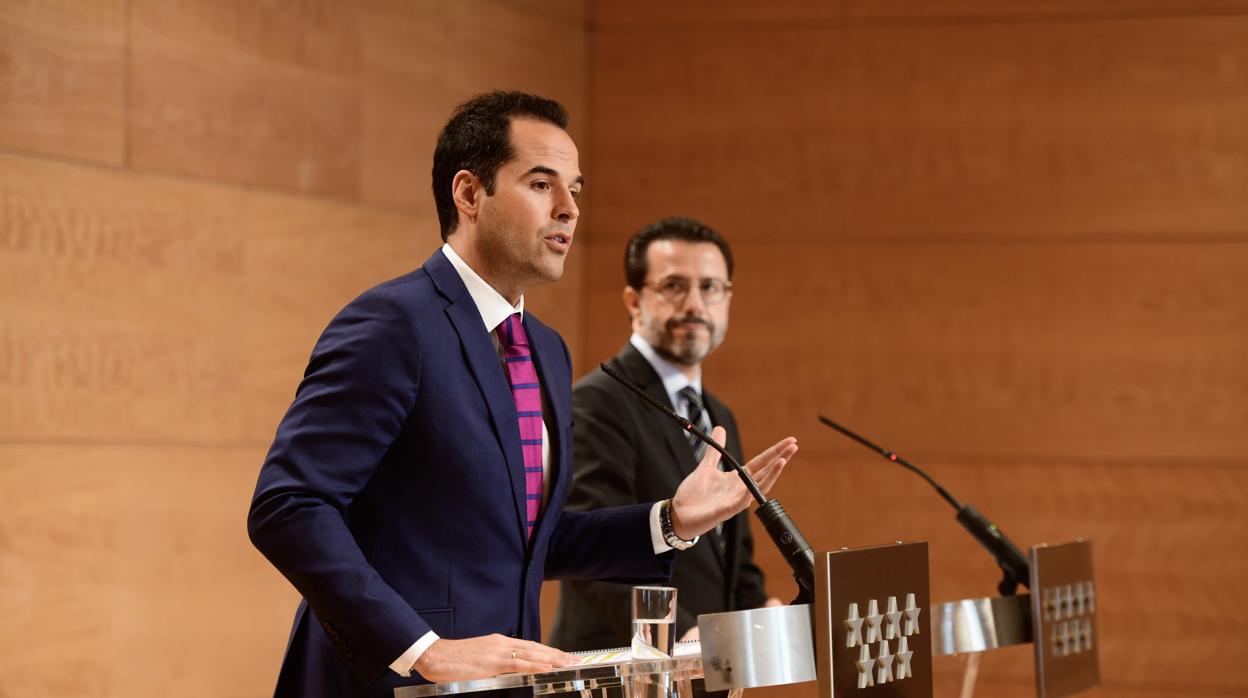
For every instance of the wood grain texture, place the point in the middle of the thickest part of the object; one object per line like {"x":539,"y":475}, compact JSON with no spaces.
{"x":258,"y":94}
{"x":1007,"y":241}
{"x":141,"y":309}
{"x":655,"y":14}
{"x":334,"y":99}
{"x":414,"y":74}
{"x":155,"y":320}
{"x":127,"y":571}
{"x":1131,"y":351}
{"x":1098,"y":129}
{"x":62,"y":87}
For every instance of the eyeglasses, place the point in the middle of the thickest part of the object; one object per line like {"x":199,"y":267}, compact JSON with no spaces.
{"x":675,"y":289}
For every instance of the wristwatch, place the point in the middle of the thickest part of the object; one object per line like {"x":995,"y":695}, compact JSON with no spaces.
{"x":669,"y":533}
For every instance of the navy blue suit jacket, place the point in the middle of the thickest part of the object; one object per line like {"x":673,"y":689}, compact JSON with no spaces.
{"x":393,"y":495}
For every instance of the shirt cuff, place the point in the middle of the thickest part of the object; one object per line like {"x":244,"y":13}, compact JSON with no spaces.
{"x":656,"y":532}
{"x":403,"y":665}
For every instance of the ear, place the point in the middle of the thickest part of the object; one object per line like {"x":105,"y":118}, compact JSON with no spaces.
{"x":632,"y":302}
{"x":467,"y":193}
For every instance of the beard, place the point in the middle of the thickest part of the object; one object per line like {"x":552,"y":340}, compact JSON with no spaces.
{"x":688,"y":348}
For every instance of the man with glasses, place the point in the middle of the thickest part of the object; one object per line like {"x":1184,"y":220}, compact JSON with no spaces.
{"x":679,"y":274}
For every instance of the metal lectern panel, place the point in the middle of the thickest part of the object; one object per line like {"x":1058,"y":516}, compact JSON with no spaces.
{"x":872,"y":634}
{"x":1063,"y":603}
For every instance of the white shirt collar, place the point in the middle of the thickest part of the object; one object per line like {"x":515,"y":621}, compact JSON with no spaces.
{"x":490,"y":303}
{"x":674,"y":380}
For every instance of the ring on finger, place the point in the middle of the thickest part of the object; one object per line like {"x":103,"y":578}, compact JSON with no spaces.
{"x":513,"y":654}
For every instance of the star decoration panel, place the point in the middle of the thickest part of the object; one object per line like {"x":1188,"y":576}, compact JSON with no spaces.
{"x":871,"y":622}
{"x":1064,"y":603}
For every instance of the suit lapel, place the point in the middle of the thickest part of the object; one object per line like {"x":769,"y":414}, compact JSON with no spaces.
{"x":642,"y":373}
{"x":487,"y":371}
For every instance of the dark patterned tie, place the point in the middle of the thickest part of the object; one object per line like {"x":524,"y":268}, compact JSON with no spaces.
{"x":526,"y":390}
{"x":700,"y":418}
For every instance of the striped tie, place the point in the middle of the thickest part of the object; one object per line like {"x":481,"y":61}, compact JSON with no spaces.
{"x":526,"y":390}
{"x":700,"y":418}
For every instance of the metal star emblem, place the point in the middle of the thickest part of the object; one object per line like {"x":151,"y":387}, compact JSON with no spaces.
{"x":885,"y":660}
{"x":853,"y":626}
{"x":912,"y":616}
{"x":903,"y":660}
{"x":874,"y":619}
{"x":865,"y":664}
{"x":893,"y":617}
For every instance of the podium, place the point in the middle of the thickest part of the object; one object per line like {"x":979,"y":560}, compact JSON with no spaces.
{"x":872,"y":628}
{"x":1059,"y":616}
{"x":623,"y":677}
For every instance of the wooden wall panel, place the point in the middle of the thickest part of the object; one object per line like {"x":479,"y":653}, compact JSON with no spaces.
{"x":146,"y":309}
{"x":337,"y":99}
{"x":1126,"y":351}
{"x":1043,"y":130}
{"x":413,"y":77}
{"x":1115,"y":350}
{"x":62,"y":72}
{"x":156,"y":319}
{"x":119,"y":297}
{"x":263,"y":94}
{"x":127,"y":571}
{"x":1008,"y":241}
{"x":650,"y":14}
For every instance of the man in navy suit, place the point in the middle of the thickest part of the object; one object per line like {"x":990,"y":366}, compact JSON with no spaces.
{"x":403,"y":496}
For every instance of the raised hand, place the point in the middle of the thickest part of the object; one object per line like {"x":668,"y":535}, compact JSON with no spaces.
{"x":708,"y":495}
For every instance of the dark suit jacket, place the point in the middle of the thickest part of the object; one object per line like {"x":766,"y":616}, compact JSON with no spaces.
{"x":393,"y":495}
{"x":627,"y":452}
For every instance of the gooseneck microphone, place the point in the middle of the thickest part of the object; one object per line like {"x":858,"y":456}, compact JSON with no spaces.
{"x":784,"y":533}
{"x":1009,"y":558}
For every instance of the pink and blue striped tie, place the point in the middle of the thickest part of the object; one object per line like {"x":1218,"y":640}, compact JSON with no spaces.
{"x":526,"y":390}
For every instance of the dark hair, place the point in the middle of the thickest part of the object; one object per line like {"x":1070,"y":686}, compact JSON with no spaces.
{"x":685,"y":229}
{"x":477,"y":138}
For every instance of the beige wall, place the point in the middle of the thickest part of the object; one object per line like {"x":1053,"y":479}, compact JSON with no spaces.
{"x":188,"y":192}
{"x":1011,"y":243}
{"x":1008,"y":240}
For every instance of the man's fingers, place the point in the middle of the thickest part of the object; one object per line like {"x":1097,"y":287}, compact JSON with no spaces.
{"x":530,"y":657}
{"x":767,"y":466}
{"x":771,"y":474}
{"x":537,"y":652}
{"x":784,"y":448}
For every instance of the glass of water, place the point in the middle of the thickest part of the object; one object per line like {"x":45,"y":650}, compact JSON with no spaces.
{"x":654,"y":622}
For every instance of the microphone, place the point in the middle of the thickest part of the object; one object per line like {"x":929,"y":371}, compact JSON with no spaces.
{"x":784,"y":533}
{"x":1009,"y":558}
